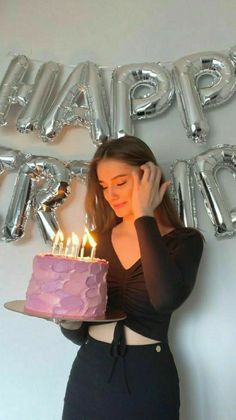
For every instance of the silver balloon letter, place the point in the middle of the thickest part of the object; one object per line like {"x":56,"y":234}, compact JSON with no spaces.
{"x":206,"y":167}
{"x":36,"y":97}
{"x":128,"y":104}
{"x":183,"y":189}
{"x":79,"y":169}
{"x":192,"y":98}
{"x":27,"y":194}
{"x":10,"y":160}
{"x":10,"y":84}
{"x":81,"y":101}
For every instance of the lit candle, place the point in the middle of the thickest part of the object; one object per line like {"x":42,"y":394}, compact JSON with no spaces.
{"x":84,"y":241}
{"x":93,"y":252}
{"x":55,"y":241}
{"x":92,"y":244}
{"x":67,"y":246}
{"x":61,"y":244}
{"x":75,"y":245}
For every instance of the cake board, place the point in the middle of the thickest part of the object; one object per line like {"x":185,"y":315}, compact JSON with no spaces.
{"x":19,"y":307}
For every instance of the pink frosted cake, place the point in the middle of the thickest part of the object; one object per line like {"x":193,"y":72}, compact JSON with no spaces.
{"x":67,"y":287}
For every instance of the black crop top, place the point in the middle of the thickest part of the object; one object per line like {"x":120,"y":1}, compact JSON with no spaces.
{"x":155,"y":285}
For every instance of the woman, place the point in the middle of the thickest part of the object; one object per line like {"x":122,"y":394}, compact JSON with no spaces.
{"x":125,"y":369}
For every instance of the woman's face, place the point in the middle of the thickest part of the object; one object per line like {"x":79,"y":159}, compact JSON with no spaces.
{"x":116,"y":180}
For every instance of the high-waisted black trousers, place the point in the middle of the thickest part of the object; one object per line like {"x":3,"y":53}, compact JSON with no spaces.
{"x":122,"y":382}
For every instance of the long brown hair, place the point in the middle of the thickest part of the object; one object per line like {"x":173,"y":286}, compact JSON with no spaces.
{"x":134,"y":152}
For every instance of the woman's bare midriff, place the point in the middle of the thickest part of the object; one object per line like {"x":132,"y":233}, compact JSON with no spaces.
{"x":105,"y":332}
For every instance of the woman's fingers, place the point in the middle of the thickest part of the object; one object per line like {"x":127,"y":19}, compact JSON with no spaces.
{"x":149,"y":172}
{"x":157,"y":190}
{"x":152,"y":176}
{"x":148,"y":190}
{"x":164,"y":187}
{"x":158,"y":176}
{"x":145,"y":173}
{"x":136,"y":178}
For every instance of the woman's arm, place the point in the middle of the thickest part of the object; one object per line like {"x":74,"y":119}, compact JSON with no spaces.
{"x":75,"y":331}
{"x":170,"y":273}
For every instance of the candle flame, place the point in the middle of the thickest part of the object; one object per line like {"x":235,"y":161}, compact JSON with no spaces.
{"x":56,"y":238}
{"x":61,"y":235}
{"x":85,"y":238}
{"x":75,"y":239}
{"x":68,"y":242}
{"x":90,"y":238}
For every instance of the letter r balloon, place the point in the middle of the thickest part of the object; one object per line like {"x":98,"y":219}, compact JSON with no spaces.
{"x":30,"y":194}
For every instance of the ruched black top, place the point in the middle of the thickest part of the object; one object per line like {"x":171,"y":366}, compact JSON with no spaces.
{"x":155,"y":285}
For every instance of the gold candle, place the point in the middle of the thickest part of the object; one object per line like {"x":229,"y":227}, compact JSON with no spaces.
{"x":67,"y":247}
{"x":75,"y":245}
{"x":61,"y":244}
{"x":55,"y":241}
{"x":84,"y":241}
{"x":93,"y":244}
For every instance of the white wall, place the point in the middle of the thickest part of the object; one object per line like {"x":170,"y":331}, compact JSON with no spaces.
{"x":35,"y":357}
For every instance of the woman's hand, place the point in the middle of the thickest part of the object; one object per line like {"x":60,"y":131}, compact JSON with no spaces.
{"x":147,"y":191}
